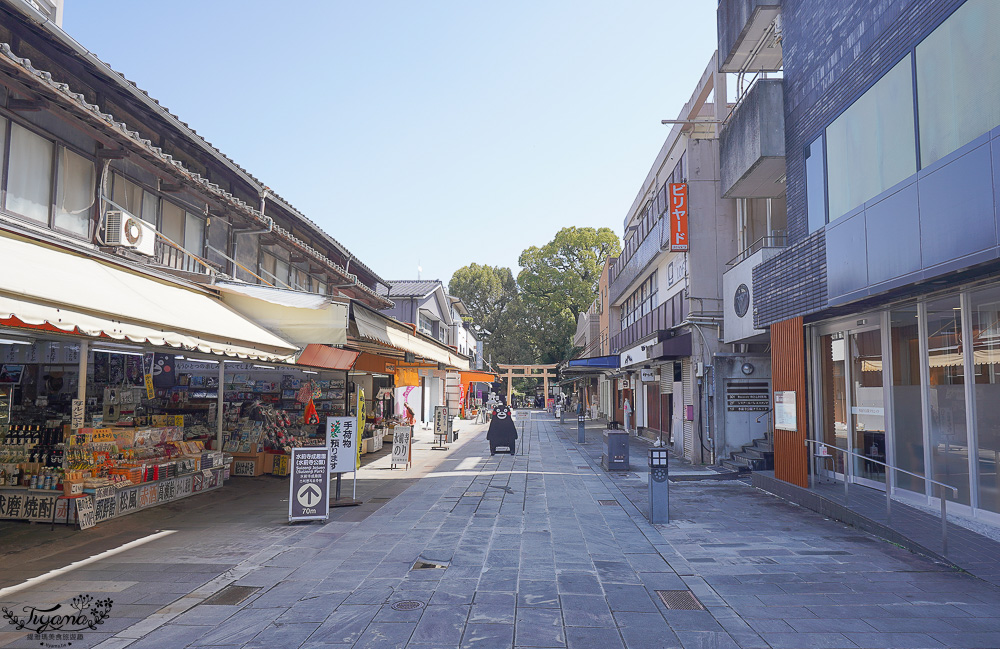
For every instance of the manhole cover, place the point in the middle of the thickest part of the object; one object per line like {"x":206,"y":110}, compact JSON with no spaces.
{"x":407,"y":605}
{"x":426,"y":565}
{"x":680,"y":600}
{"x":608,"y":502}
{"x":231,"y":595}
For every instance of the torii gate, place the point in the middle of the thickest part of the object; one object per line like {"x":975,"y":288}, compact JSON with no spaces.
{"x":527,"y":372}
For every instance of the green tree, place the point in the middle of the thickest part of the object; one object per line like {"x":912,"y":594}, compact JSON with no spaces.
{"x":491,"y":295}
{"x":558,"y":281}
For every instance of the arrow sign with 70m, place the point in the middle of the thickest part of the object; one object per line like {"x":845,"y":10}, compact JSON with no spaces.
{"x":309,"y":487}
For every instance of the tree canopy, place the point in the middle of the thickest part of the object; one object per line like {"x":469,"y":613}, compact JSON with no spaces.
{"x":532,"y":319}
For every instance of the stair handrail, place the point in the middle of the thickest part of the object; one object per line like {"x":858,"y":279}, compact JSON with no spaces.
{"x":888,"y":486}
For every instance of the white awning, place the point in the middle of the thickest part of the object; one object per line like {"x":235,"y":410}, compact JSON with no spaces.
{"x":383,"y":330}
{"x":372,"y":326}
{"x":299,"y":317}
{"x":425,"y":349}
{"x":76,"y":293}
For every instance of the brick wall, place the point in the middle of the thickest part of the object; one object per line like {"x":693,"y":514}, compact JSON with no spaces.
{"x":792,"y":283}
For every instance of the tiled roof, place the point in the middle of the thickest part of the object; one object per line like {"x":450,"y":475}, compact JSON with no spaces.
{"x":410,"y":287}
{"x":108,"y":123}
{"x":129,"y":85}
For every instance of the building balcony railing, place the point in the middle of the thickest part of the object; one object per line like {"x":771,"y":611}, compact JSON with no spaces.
{"x":638,"y":254}
{"x":777,"y":240}
{"x":667,"y":315}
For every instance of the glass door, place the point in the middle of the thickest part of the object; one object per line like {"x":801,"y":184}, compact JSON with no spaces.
{"x":867,"y":398}
{"x":833,"y":408}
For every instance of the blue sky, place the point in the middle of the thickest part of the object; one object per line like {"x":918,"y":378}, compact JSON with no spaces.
{"x":430,"y":132}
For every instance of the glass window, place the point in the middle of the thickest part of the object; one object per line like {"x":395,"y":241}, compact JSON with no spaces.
{"x":75,"y":193}
{"x":172,"y":222}
{"x":986,"y":353}
{"x":958,"y":79}
{"x":150,"y":202}
{"x":29,"y":176}
{"x":908,"y":428}
{"x":281,"y":272}
{"x":871,"y":147}
{"x":194,"y":234}
{"x":833,"y":409}
{"x":946,"y":392}
{"x":3,"y":141}
{"x":815,"y":185}
{"x":127,"y":195}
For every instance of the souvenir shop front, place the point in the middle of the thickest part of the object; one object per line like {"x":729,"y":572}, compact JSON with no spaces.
{"x":89,"y":427}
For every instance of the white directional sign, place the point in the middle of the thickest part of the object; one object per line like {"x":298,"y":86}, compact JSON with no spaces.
{"x":309,"y":487}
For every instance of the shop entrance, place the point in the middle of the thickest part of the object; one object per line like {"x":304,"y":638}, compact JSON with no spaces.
{"x":852,"y":407}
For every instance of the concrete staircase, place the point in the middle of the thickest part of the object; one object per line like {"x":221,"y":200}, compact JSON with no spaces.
{"x":758,"y":456}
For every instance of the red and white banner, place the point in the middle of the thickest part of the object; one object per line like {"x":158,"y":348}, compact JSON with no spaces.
{"x":679,"y":217}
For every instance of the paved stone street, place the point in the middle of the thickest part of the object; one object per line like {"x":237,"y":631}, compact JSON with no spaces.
{"x":542,"y":549}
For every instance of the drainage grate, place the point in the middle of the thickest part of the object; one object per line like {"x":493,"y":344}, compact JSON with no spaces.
{"x":231,"y":595}
{"x":379,"y":500}
{"x":473,"y":494}
{"x":680,"y":600}
{"x":608,"y":502}
{"x":583,"y":467}
{"x":407,"y":605}
{"x":424,"y":565}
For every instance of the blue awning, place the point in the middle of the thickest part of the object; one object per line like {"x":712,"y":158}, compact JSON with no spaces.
{"x":595,"y":362}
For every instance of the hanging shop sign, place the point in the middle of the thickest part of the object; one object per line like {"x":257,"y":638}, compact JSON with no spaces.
{"x":309,"y":488}
{"x":784,"y":410}
{"x":636,"y":354}
{"x":77,"y":414}
{"x":342,"y":440}
{"x":679,"y":217}
{"x":648,"y":376}
{"x":401,"y":445}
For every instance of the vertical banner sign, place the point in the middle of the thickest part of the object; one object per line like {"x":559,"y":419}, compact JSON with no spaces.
{"x":342,"y":440}
{"x":679,"y":217}
{"x":361,"y":424}
{"x":77,"y":415}
{"x":401,"y":445}
{"x":309,"y":488}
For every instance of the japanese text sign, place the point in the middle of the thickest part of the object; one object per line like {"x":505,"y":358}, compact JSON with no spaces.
{"x":679,"y":217}
{"x":342,"y":440}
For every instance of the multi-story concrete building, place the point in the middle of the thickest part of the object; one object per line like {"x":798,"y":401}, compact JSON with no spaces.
{"x":883,"y":309}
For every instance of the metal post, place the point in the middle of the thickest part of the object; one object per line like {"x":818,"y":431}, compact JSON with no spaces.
{"x":888,"y":495}
{"x":219,"y":406}
{"x":81,"y":386}
{"x":581,"y":433}
{"x":944,"y":521}
{"x":847,"y":466}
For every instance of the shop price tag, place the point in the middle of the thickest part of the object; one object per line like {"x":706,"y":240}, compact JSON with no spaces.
{"x":150,"y":392}
{"x":179,"y":420}
{"x":103,"y":435}
{"x":77,"y":414}
{"x":85,"y":512}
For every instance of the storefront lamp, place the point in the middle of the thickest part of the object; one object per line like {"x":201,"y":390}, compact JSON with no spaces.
{"x":658,"y":458}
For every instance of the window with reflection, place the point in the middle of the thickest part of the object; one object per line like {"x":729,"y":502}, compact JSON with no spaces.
{"x":985,"y":321}
{"x":29,"y":174}
{"x":908,"y":427}
{"x":958,"y":79}
{"x":871,"y":146}
{"x":946,"y":393}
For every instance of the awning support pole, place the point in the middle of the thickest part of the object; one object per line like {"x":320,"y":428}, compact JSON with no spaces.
{"x":218,"y":414}
{"x":81,"y":388}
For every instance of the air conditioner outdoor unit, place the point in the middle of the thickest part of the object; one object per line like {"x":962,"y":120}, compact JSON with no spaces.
{"x":128,"y":231}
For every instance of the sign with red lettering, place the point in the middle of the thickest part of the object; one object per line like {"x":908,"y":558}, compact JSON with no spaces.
{"x":679,"y":217}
